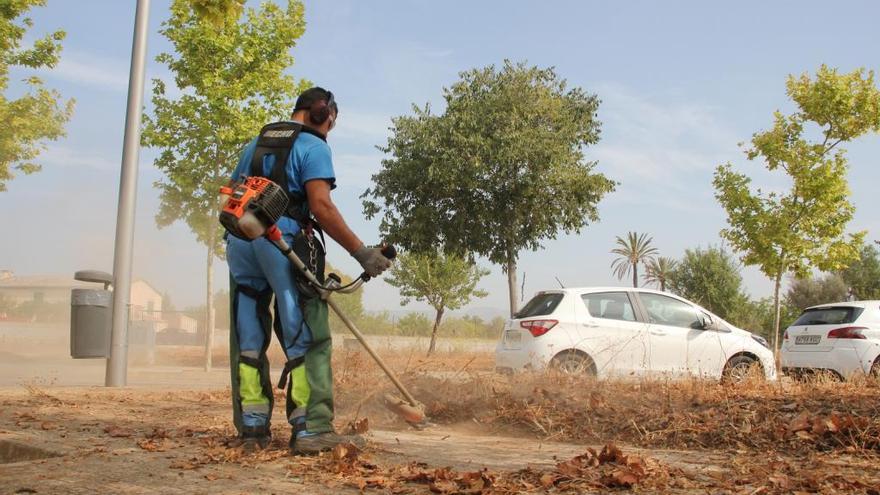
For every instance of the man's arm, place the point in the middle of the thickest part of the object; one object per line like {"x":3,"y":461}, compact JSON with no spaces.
{"x":331,"y":221}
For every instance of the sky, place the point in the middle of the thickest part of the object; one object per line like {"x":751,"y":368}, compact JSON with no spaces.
{"x":681,"y":84}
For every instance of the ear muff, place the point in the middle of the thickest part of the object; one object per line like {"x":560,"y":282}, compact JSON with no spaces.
{"x":319,"y":112}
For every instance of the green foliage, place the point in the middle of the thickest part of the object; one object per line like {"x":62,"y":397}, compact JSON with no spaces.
{"x":38,"y":115}
{"x":863,"y":275}
{"x":659,"y":270}
{"x":759,"y":316}
{"x":501,"y":170}
{"x":414,"y":324}
{"x":635,"y":249}
{"x":352,"y":304}
{"x":804,"y":227}
{"x":445,"y":281}
{"x":217,"y":12}
{"x":709,"y":277}
{"x":233,"y":82}
{"x":806,"y":292}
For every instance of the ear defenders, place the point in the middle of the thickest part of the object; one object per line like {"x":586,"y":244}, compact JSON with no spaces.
{"x":319,"y":112}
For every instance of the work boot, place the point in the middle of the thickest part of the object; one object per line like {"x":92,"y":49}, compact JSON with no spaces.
{"x":311,"y":444}
{"x":254,"y":438}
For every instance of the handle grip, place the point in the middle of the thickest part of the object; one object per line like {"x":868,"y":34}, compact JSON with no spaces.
{"x":388,"y":251}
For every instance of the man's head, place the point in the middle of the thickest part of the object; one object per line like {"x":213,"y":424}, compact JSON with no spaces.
{"x":316,"y":108}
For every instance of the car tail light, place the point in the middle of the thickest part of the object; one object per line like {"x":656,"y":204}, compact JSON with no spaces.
{"x":538,"y":327}
{"x":847,"y":333}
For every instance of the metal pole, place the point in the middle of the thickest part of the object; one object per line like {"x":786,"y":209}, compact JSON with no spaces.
{"x":117,"y":364}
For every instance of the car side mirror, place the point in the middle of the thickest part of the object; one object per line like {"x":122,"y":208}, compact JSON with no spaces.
{"x":704,"y":322}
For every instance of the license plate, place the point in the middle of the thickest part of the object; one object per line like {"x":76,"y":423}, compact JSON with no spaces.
{"x":512,"y":337}
{"x":807,"y":339}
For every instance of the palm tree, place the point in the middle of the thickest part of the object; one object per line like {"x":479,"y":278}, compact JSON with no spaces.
{"x":658,"y":271}
{"x":635,"y":249}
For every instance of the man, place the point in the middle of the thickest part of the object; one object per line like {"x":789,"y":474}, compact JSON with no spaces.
{"x":258,"y":269}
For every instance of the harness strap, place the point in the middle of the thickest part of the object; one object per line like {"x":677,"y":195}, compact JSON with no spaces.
{"x":277,"y":139}
{"x":288,"y":367}
{"x":251,"y":292}
{"x":254,"y":362}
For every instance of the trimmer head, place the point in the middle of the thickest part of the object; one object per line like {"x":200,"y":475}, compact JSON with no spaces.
{"x":414,"y":414}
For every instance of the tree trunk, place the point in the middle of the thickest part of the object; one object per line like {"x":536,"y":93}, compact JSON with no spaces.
{"x":209,"y":306}
{"x":635,"y":275}
{"x":511,"y":284}
{"x":776,"y":311}
{"x":437,"y":319}
{"x":662,"y":285}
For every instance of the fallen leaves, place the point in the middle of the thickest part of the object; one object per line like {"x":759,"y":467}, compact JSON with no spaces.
{"x":359,"y":426}
{"x":680,"y":415}
{"x":608,"y":468}
{"x":835,"y":429}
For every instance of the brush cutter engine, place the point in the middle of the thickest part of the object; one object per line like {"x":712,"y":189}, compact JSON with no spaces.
{"x":254,"y":206}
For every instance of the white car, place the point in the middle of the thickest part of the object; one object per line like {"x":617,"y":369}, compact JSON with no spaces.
{"x":843,"y":338}
{"x":614,"y":331}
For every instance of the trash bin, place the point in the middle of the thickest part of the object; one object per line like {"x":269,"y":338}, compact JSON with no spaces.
{"x":90,"y":316}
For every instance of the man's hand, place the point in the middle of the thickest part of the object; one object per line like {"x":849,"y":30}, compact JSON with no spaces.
{"x":372,"y":260}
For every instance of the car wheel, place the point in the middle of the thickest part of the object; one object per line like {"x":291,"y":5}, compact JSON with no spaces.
{"x":738,"y":369}
{"x":875,"y":369}
{"x":574,"y":363}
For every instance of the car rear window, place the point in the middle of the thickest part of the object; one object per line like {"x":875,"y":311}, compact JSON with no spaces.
{"x":832,"y":315}
{"x":540,"y":305}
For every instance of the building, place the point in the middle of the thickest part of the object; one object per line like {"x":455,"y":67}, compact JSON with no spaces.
{"x":41,"y":294}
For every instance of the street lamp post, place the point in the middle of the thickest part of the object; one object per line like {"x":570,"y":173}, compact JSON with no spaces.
{"x":117,"y":363}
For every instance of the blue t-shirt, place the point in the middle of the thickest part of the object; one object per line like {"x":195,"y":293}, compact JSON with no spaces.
{"x":309,"y":159}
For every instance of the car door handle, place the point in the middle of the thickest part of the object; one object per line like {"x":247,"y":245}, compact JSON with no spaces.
{"x":590,"y":325}
{"x":657,"y":332}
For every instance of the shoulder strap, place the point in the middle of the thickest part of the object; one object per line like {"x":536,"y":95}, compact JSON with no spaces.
{"x":275,"y":139}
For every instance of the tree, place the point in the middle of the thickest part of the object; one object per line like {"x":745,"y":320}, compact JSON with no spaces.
{"x":803,"y":227}
{"x":709,"y":277}
{"x":231,"y":73}
{"x":806,"y":292}
{"x":501,"y":170}
{"x":635,"y":249}
{"x":863,"y":275}
{"x":658,"y":271}
{"x":39,"y":114}
{"x":445,"y":281}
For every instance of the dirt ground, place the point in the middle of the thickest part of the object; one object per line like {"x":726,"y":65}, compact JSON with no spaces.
{"x":493,"y":434}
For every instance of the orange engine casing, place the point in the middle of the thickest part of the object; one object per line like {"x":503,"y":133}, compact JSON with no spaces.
{"x":254,"y":201}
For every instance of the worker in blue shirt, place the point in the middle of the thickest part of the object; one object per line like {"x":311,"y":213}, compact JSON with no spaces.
{"x":258,"y":270}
